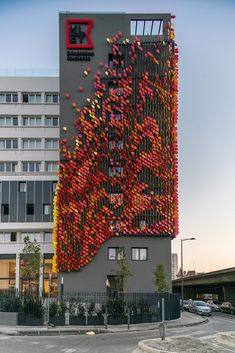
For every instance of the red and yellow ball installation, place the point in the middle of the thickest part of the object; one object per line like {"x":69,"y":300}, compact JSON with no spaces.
{"x":87,"y":210}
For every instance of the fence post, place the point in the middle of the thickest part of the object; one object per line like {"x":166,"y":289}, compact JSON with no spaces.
{"x":128,"y":318}
{"x":86,"y":316}
{"x":106,"y":317}
{"x":163,"y":333}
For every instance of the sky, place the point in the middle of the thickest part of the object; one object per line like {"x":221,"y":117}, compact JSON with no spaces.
{"x":205,"y":36}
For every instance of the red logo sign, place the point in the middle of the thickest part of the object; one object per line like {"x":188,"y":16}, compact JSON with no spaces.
{"x":78,"y":34}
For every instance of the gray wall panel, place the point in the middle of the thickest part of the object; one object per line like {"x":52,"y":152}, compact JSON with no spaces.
{"x":93,"y":276}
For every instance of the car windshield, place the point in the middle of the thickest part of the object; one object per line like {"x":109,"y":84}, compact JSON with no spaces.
{"x":200,"y":303}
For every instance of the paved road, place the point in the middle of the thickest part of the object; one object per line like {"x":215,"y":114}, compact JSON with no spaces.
{"x":110,"y":343}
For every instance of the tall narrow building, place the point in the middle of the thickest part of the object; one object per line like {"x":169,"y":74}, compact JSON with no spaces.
{"x":117,"y":190}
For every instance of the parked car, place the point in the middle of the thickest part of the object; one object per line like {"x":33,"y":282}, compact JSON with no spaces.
{"x":228,"y":307}
{"x":200,"y":307}
{"x":187,"y":304}
{"x":215,"y":305}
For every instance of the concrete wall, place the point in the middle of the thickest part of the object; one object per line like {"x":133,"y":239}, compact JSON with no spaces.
{"x":93,"y":276}
{"x":8,"y":319}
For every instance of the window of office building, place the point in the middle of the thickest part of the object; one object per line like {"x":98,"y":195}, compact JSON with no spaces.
{"x":47,"y":271}
{"x":7,"y":272}
{"x":22,"y":186}
{"x":52,"y":98}
{"x":8,"y":97}
{"x":115,"y":145}
{"x":30,"y":209}
{"x":32,"y":120}
{"x":115,"y":171}
{"x":116,"y":199}
{"x":46,"y":209}
{"x":31,"y":98}
{"x":8,"y":144}
{"x":31,"y":167}
{"x":32,"y":236}
{"x":51,"y":121}
{"x":54,"y":183}
{"x":47,"y":237}
{"x":5,"y":209}
{"x":8,"y":120}
{"x":8,"y":237}
{"x":8,"y":167}
{"x":139,"y":254}
{"x":146,"y":27}
{"x":51,"y":167}
{"x":31,"y":144}
{"x":51,"y":144}
{"x":115,"y":253}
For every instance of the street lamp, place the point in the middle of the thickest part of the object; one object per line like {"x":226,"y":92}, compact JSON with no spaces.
{"x":182,"y":271}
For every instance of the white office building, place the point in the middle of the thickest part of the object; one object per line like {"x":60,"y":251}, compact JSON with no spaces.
{"x":29,"y":143}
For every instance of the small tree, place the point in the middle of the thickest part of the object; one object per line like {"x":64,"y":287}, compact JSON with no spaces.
{"x":160,"y":280}
{"x":31,"y":259}
{"x":122,"y":272}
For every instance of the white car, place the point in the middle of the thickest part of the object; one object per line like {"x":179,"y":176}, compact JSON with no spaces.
{"x":200,"y":307}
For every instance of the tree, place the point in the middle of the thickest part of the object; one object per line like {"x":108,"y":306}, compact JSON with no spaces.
{"x":122,"y":272}
{"x":160,"y":279}
{"x":31,"y":259}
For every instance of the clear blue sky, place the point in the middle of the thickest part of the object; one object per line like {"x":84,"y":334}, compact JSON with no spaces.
{"x":205,"y":35}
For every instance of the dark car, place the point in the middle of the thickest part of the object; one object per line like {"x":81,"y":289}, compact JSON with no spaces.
{"x":200,"y":307}
{"x":228,"y":307}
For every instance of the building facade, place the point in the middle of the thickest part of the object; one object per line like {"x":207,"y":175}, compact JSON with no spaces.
{"x":174,"y":266}
{"x":117,"y":191}
{"x":29,"y":153}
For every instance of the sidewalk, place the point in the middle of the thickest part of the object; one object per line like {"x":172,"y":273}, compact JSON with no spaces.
{"x":186,"y":319}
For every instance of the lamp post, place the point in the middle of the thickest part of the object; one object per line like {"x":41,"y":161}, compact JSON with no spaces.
{"x":182,"y":271}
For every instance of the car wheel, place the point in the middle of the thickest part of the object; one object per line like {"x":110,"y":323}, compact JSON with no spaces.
{"x":232,"y":312}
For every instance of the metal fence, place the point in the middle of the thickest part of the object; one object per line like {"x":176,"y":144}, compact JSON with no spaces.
{"x":84,"y":308}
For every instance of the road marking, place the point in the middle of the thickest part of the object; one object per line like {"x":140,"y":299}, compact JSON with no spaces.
{"x":48,"y":346}
{"x":4,"y":337}
{"x":68,"y":350}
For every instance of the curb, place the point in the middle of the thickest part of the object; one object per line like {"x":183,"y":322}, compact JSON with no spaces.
{"x":52,"y":332}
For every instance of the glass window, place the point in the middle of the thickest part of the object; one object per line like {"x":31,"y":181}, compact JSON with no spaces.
{"x":51,"y":167}
{"x":31,"y":97}
{"x":22,"y":186}
{"x":47,"y":270}
{"x":48,"y":237}
{"x":15,"y":143}
{"x":52,"y":143}
{"x":32,"y":120}
{"x":5,"y":209}
{"x":6,"y":167}
{"x":54,"y":183}
{"x":7,"y":274}
{"x":31,"y":144}
{"x":8,"y":98}
{"x":139,"y":254}
{"x":52,"y":121}
{"x":8,"y":121}
{"x":30,"y":209}
{"x":46,"y":209}
{"x":5,"y":237}
{"x":115,"y":253}
{"x":13,"y":236}
{"x":52,"y":98}
{"x":31,"y":166}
